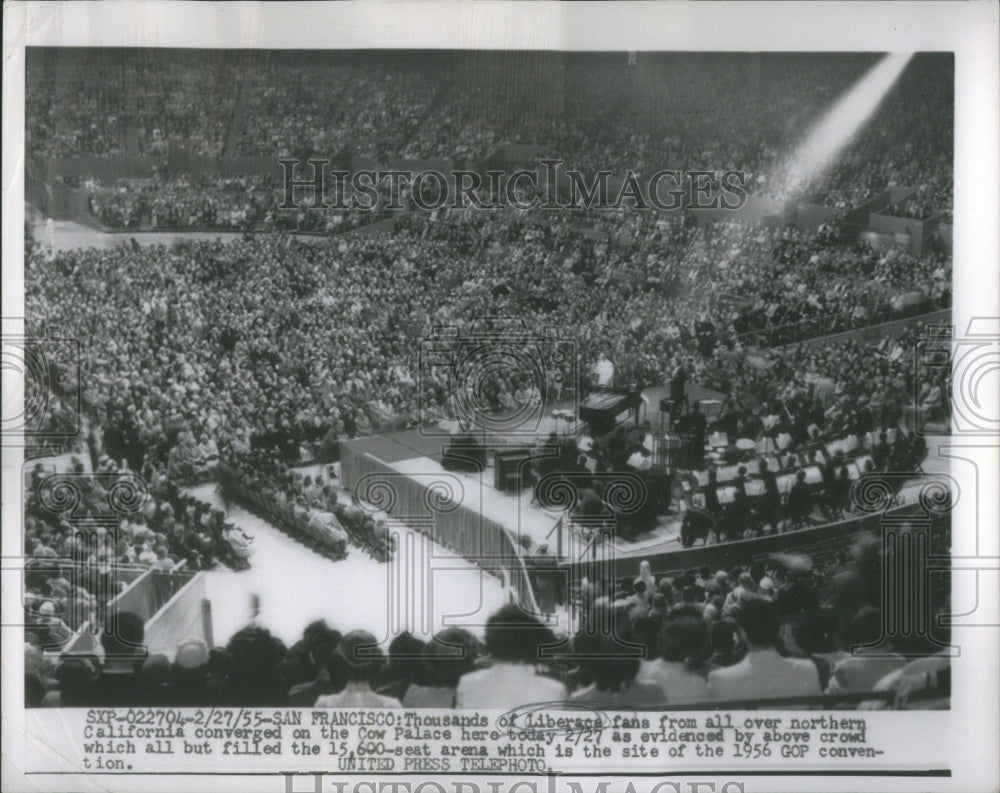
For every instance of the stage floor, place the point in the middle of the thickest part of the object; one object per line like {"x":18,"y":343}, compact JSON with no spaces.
{"x":412,"y":452}
{"x":516,"y":512}
{"x":392,"y":447}
{"x":522,"y":518}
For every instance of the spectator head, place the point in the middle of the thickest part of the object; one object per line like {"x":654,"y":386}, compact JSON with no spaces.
{"x":690,"y":594}
{"x":812,"y":633}
{"x":155,"y":673}
{"x":758,"y":620}
{"x":253,"y":655}
{"x":865,"y":628}
{"x":220,"y":664}
{"x":406,"y":655}
{"x":515,"y":636}
{"x":611,"y":664}
{"x":77,"y":676}
{"x":322,"y":642}
{"x":449,"y":655}
{"x":357,"y":658}
{"x":191,"y":654}
{"x":723,"y":636}
{"x":685,"y":639}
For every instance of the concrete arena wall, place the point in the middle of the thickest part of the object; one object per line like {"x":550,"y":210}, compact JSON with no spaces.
{"x":725,"y":555}
{"x":179,"y":619}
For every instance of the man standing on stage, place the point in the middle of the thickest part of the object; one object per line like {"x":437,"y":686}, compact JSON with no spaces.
{"x":693,"y":427}
{"x":605,"y":371}
{"x":678,"y":381}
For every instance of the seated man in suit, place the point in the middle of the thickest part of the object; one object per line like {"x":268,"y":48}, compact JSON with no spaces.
{"x":685,"y":646}
{"x":737,"y":516}
{"x":711,"y":493}
{"x":514,"y":640}
{"x":764,"y":672}
{"x":800,"y":501}
{"x":881,"y":452}
{"x":837,"y":494}
{"x":695,"y":426}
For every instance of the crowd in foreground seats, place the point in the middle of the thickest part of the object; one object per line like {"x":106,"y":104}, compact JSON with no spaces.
{"x":85,"y":547}
{"x":791,"y":626}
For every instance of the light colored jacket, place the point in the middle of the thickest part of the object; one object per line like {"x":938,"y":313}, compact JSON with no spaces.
{"x":505,"y":686}
{"x":763,"y":674}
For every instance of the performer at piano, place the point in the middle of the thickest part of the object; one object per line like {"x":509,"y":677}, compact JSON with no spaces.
{"x":605,"y":371}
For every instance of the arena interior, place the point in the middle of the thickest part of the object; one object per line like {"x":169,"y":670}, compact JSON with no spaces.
{"x":251,"y":450}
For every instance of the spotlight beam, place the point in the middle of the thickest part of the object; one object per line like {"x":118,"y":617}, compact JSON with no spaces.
{"x":842,"y":123}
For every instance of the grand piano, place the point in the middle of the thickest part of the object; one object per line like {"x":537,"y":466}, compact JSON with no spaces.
{"x":602,"y":409}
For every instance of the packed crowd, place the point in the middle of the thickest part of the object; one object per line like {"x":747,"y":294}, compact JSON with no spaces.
{"x":925,"y":202}
{"x":88,"y":534}
{"x":789,"y":626}
{"x":228,"y":203}
{"x":914,"y":143}
{"x":236,"y":339}
{"x":296,"y":107}
{"x":706,"y":111}
{"x":267,"y":349}
{"x":838,"y":388}
{"x":76,"y":106}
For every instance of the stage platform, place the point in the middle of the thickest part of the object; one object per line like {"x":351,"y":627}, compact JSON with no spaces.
{"x":475,"y":507}
{"x":408,"y":444}
{"x":408,"y":462}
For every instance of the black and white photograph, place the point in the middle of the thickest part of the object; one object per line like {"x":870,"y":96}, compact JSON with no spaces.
{"x":483,"y":410}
